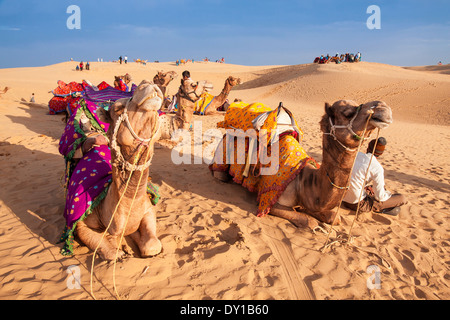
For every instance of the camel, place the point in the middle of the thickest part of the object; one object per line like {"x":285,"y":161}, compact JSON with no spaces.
{"x":187,"y":95}
{"x":316,"y":192}
{"x":219,"y":100}
{"x":4,"y":91}
{"x":120,"y":81}
{"x":134,"y":124}
{"x":162,"y":80}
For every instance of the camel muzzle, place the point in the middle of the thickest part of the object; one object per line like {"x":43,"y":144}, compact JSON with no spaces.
{"x":382,"y":117}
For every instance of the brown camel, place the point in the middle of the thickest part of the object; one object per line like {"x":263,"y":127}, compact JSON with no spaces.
{"x":162,"y":80}
{"x":127,"y":79}
{"x":134,"y":125}
{"x":188,"y":93}
{"x":222,"y":97}
{"x":317,"y":191}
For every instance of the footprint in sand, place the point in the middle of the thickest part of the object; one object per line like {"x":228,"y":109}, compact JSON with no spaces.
{"x":406,"y":259}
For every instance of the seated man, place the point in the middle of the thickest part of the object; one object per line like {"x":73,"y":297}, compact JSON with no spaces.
{"x":376,"y":197}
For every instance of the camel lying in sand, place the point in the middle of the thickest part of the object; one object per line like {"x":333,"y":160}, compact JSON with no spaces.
{"x":126,"y":207}
{"x":121,"y":81}
{"x":188,"y":93}
{"x":316,"y":191}
{"x":219,"y":100}
{"x":162,"y":80}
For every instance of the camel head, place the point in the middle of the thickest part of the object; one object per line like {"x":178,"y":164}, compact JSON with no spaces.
{"x":192,"y":91}
{"x":345,"y":120}
{"x":232,"y":81}
{"x":117,"y":80}
{"x":126,"y":78}
{"x":164,"y":78}
{"x":133,"y":121}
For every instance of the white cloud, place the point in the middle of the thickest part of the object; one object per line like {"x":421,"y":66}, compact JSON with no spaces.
{"x":6,"y":28}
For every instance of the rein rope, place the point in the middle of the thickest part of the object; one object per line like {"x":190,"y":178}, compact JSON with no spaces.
{"x":349,"y":239}
{"x":126,"y":223}
{"x":141,"y":168}
{"x":347,"y":184}
{"x":186,"y":94}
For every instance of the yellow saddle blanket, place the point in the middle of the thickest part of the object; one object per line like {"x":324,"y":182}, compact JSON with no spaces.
{"x":203,"y":103}
{"x":268,"y":178}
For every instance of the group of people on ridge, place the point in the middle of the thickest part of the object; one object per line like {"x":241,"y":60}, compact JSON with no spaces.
{"x":80,"y":66}
{"x":348,"y":57}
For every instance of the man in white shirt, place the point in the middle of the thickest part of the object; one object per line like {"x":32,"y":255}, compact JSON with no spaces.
{"x":376,"y":197}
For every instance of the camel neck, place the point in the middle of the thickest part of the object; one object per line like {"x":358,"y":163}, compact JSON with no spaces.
{"x":185,"y":110}
{"x":120,"y":179}
{"x":226,"y":89}
{"x":337,"y":162}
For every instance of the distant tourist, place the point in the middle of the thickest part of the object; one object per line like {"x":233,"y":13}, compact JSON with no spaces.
{"x":81,"y":66}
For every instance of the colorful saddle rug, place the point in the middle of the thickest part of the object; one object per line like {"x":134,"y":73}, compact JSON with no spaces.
{"x":87,"y":178}
{"x":107,"y":94}
{"x":67,"y":96}
{"x":203,"y":103}
{"x":64,"y":97}
{"x":290,"y":159}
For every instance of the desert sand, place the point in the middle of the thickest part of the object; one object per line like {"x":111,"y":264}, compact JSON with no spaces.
{"x":214,"y":245}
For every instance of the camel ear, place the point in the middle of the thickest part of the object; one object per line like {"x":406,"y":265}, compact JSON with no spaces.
{"x":103,"y":115}
{"x":117,"y":109}
{"x":329,"y":110}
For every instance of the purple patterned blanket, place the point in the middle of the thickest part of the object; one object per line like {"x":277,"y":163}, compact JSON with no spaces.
{"x":88,"y":176}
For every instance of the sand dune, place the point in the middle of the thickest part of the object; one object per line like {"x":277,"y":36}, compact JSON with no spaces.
{"x":214,"y":245}
{"x":443,"y":69}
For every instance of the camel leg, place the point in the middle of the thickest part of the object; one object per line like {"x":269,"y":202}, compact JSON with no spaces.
{"x":299,"y":219}
{"x":327,"y":217}
{"x":145,"y":237}
{"x":90,"y":232}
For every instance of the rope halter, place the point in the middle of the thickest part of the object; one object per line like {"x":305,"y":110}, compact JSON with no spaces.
{"x":120,"y":160}
{"x":186,"y":95}
{"x":349,"y":127}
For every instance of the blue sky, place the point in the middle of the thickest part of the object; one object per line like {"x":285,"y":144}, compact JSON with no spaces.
{"x":248,"y":32}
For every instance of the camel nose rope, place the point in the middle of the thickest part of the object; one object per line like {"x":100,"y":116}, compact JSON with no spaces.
{"x":364,"y":183}
{"x":347,"y":184}
{"x":126,"y":223}
{"x":107,"y":228}
{"x":141,"y":168}
{"x":349,"y":239}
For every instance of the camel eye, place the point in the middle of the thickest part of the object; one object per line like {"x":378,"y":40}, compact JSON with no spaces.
{"x":349,"y":113}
